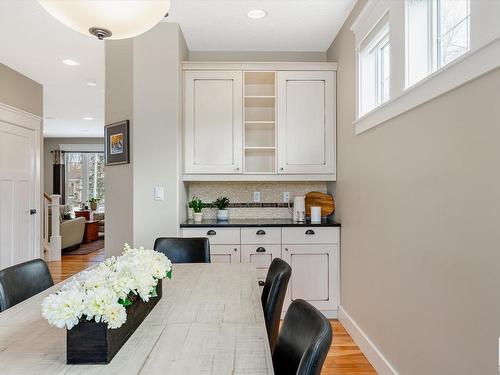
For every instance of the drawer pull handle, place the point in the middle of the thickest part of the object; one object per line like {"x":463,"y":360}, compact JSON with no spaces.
{"x":261,"y":283}
{"x":211,"y":232}
{"x":260,"y":250}
{"x":310,"y":232}
{"x":286,"y":249}
{"x":260,"y":232}
{"x":235,"y":249}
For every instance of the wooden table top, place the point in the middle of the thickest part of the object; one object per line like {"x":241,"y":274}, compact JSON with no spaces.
{"x":209,"y":321}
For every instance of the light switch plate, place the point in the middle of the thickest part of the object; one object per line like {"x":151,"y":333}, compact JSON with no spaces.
{"x":159,"y":193}
{"x":256,"y":196}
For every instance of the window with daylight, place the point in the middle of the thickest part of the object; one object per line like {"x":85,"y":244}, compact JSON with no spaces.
{"x":84,"y":178}
{"x":374,"y":69}
{"x":437,"y":32}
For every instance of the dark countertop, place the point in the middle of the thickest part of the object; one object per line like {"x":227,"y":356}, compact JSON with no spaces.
{"x":257,"y":223}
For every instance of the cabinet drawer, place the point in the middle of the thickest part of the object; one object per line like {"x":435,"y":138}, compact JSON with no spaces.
{"x":261,"y":256}
{"x":217,"y":236}
{"x":310,"y":235}
{"x":225,"y":254}
{"x":261,"y":236}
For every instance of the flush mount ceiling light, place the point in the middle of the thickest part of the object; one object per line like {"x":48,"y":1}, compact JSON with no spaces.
{"x":87,"y":118}
{"x":70,"y":62}
{"x":117,"y":19}
{"x":257,"y":14}
{"x":91,"y":84}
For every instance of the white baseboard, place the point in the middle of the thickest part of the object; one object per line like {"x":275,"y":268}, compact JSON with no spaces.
{"x":371,"y":352}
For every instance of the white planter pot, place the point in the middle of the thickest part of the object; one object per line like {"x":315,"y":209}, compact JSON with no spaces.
{"x":222,"y":215}
{"x":197,"y":216}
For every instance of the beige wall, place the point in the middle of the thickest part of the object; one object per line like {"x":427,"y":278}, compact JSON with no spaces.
{"x":21,"y":92}
{"x":255,"y":56}
{"x":418,"y":201}
{"x":51,"y":144}
{"x":143,"y":84}
{"x":119,"y":105}
{"x":158,"y":54}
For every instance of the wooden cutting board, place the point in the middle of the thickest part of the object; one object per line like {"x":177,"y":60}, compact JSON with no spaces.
{"x":325,"y":201}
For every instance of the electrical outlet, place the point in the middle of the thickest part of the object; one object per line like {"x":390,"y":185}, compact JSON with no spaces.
{"x":256,"y":196}
{"x":286,"y":197}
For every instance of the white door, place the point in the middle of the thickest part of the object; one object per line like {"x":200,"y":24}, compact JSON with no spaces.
{"x":306,"y":122}
{"x":225,"y":253}
{"x":315,"y":276}
{"x":19,"y":240}
{"x":213,"y":118}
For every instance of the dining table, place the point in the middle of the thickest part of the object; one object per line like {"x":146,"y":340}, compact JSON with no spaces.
{"x":208,"y":321}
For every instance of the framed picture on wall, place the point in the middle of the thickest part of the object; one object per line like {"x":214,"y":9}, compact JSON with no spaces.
{"x":117,"y":143}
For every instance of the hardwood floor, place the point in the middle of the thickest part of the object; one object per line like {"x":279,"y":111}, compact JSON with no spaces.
{"x":344,"y":357}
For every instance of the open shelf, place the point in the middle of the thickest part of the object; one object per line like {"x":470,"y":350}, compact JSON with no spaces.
{"x":260,"y":160}
{"x":260,"y":126}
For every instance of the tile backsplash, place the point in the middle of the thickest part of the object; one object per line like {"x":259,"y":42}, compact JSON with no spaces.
{"x":241,"y":194}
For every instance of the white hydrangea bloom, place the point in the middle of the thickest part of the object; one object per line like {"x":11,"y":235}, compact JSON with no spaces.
{"x":96,"y":294}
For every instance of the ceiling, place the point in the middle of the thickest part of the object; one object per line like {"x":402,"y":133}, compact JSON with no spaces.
{"x":34,"y":43}
{"x":290,"y":25}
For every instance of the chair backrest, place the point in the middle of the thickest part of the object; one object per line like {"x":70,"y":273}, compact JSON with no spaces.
{"x":184,"y":250}
{"x":23,"y":281}
{"x":303,"y":341}
{"x":273,"y":296}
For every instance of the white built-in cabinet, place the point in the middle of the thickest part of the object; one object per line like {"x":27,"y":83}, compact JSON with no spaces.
{"x":312,"y":252}
{"x":259,"y":121}
{"x":212,"y":121}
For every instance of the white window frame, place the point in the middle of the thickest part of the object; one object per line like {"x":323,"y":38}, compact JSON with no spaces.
{"x":483,"y":56}
{"x":434,"y":39}
{"x":375,"y":46}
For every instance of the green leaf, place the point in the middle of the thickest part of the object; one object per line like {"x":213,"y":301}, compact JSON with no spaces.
{"x":153,"y":292}
{"x":169,"y":273}
{"x":125,"y":302}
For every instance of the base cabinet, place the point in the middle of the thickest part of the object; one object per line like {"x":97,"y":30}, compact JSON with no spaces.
{"x":315,"y":276}
{"x":312,"y":252}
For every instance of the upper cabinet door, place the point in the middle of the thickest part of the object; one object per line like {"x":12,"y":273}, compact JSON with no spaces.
{"x":306,"y":122}
{"x":213,"y":121}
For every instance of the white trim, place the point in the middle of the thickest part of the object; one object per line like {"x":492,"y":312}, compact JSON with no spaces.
{"x":259,"y":177}
{"x":369,"y":18}
{"x":258,"y":66}
{"x":371,"y":352}
{"x":19,"y":117}
{"x":464,"y":69}
{"x":97,"y":147}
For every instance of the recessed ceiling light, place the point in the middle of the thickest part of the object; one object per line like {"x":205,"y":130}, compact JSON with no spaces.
{"x":87,"y":118}
{"x":85,"y":130}
{"x":257,"y":14}
{"x":50,"y":118}
{"x":91,"y":83}
{"x":70,"y":62}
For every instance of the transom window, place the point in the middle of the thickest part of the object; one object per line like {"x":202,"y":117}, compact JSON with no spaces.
{"x":374,"y":68}
{"x":437,"y":32}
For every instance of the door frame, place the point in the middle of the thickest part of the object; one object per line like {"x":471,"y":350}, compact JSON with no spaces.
{"x":17,"y":117}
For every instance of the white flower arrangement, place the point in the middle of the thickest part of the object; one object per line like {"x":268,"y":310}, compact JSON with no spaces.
{"x":103,"y":293}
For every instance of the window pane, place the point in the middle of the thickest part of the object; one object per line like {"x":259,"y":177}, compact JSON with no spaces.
{"x":74,"y":179}
{"x":96,"y":177}
{"x":453,"y":30}
{"x":368,"y":88}
{"x":452,"y":13}
{"x":418,"y":27}
{"x":454,"y":43}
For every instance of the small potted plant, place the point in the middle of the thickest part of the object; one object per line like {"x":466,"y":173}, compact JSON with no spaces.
{"x":93,"y":203}
{"x":196,"y":205}
{"x":222,"y":203}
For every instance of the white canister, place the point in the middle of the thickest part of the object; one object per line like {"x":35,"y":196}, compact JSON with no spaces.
{"x":315,"y":214}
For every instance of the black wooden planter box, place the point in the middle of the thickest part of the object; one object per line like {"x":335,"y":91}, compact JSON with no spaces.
{"x":94,"y":343}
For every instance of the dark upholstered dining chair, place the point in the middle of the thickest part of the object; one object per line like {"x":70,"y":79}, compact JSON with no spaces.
{"x":303,"y":342}
{"x":273,"y":296}
{"x":184,"y":250}
{"x":23,"y":281}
